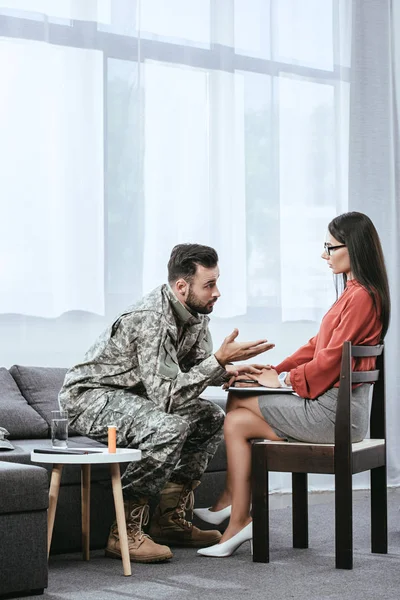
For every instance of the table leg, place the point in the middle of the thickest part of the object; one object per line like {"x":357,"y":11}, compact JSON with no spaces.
{"x":120,"y":514}
{"x":53,"y":498}
{"x":85,"y":505}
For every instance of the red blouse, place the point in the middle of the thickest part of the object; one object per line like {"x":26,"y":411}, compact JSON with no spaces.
{"x":315,"y":367}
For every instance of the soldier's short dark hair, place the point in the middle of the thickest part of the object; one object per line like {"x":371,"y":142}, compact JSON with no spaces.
{"x":185,"y":258}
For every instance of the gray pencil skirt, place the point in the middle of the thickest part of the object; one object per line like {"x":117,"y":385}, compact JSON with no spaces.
{"x":300,"y":420}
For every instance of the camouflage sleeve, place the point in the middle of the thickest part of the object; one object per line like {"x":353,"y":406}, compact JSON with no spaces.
{"x":160,"y":373}
{"x":204,"y":349}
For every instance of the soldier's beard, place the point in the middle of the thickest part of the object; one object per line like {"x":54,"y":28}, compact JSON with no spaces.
{"x":195,"y":305}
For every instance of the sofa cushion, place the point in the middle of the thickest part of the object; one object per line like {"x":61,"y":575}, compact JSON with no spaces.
{"x":218,"y":461}
{"x":40,"y":387}
{"x":20,"y":420}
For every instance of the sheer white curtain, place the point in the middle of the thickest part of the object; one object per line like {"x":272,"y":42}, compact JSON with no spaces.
{"x":375,"y":167}
{"x":51,"y":173}
{"x":238,"y":139}
{"x":269,"y":113}
{"x":133,"y":125}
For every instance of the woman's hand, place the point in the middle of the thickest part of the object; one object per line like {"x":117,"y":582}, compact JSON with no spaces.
{"x":244,"y":372}
{"x":269,"y":378}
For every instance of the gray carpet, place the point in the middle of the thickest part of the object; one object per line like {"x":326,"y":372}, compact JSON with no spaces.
{"x":299,"y":574}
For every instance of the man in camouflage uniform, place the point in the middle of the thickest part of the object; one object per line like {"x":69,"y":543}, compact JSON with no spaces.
{"x":145,"y":375}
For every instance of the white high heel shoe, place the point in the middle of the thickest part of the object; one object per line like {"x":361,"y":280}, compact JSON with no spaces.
{"x":227,"y":548}
{"x":215,"y":517}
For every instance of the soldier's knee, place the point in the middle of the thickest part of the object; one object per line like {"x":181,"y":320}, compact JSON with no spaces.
{"x":212,"y":418}
{"x":217,"y":414}
{"x":175,"y":426}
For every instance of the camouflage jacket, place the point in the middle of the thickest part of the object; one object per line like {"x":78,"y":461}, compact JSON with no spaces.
{"x":155,"y":349}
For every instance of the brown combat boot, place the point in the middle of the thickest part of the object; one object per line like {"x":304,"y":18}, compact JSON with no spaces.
{"x":172,"y":519}
{"x":141,"y":547}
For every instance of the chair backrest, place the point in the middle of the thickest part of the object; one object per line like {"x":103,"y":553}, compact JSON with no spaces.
{"x":347,"y":379}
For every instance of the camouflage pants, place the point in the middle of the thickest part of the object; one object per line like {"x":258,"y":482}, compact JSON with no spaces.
{"x":176,"y":446}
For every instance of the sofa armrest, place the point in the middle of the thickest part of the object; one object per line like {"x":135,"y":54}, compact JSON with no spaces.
{"x":23,"y":488}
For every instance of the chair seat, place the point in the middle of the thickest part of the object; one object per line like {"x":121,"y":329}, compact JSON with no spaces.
{"x":304,"y":457}
{"x":357,"y":446}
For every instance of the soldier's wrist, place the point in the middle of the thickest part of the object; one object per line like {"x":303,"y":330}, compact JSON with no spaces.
{"x":220,"y":359}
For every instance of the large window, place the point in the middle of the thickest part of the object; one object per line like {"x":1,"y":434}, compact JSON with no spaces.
{"x":142,"y":124}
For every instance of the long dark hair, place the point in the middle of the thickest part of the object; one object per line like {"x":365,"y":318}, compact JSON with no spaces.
{"x":367,"y":263}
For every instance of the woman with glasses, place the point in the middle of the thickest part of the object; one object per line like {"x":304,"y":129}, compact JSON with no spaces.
{"x":361,"y":315}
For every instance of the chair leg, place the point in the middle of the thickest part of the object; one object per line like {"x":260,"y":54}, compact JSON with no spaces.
{"x":300,"y":510}
{"x":260,"y":502}
{"x":379,"y":541}
{"x":344,"y":519}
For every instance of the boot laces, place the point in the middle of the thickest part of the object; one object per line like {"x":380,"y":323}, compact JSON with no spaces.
{"x":186,"y":503}
{"x":138,"y":518}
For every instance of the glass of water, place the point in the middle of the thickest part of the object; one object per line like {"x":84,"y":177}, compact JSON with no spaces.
{"x":59,"y":428}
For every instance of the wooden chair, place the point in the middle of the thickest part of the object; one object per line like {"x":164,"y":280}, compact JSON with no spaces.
{"x":341,"y":459}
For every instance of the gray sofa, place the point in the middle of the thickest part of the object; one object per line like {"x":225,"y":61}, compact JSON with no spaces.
{"x":27,"y":397}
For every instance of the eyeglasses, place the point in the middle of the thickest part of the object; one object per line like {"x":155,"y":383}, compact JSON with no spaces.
{"x":328,"y":249}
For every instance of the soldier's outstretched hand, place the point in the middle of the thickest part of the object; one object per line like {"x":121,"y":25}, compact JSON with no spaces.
{"x":231,"y":350}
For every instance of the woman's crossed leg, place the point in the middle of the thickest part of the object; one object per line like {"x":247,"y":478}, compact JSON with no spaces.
{"x":243,"y":422}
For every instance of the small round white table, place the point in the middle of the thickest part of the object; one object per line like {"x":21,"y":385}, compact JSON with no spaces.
{"x":102,"y":456}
